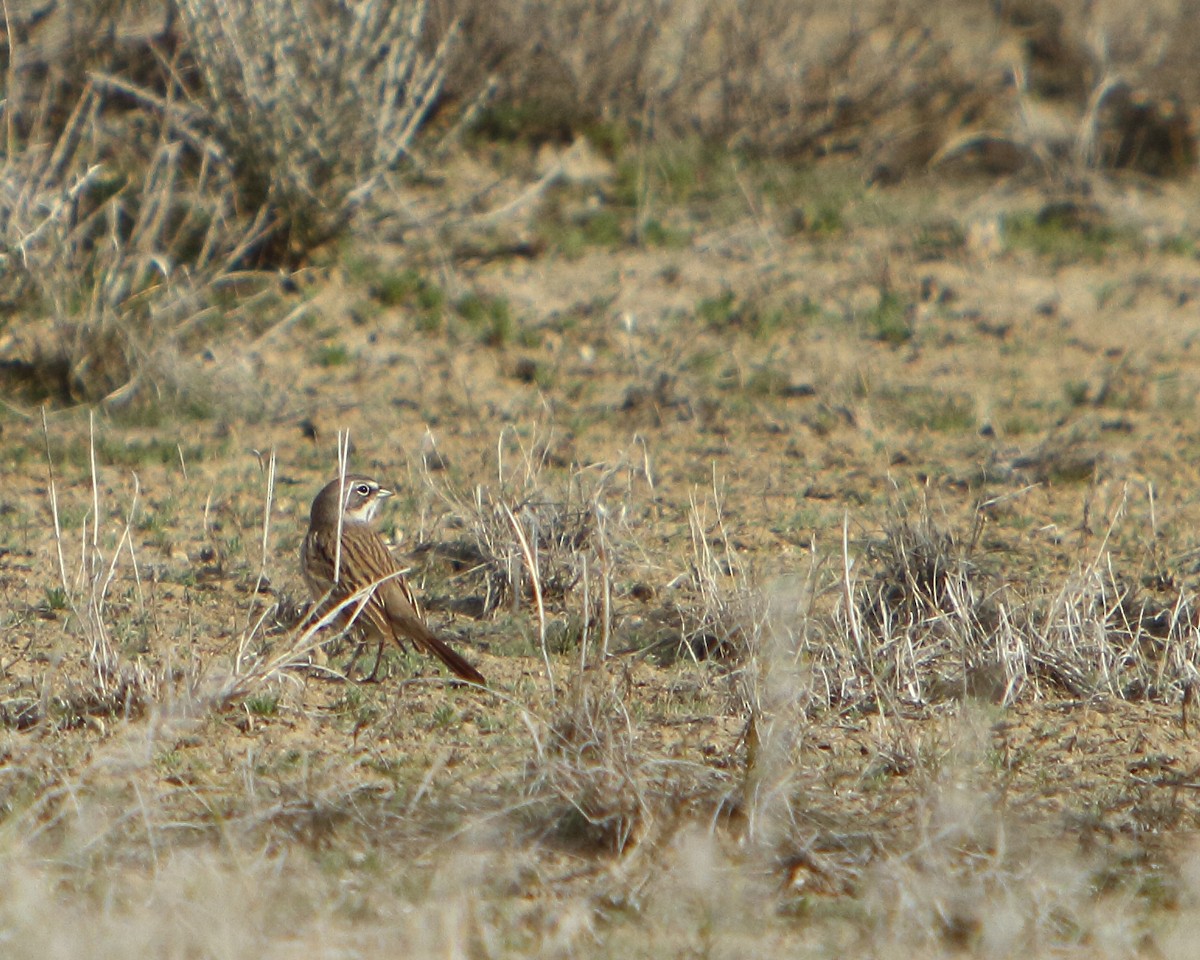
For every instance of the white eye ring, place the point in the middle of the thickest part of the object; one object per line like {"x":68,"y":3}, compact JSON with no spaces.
{"x":362,"y":490}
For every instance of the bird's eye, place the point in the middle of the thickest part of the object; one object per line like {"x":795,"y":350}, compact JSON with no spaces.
{"x":362,"y":490}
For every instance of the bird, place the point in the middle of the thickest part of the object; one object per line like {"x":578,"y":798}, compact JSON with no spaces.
{"x":391,"y":611}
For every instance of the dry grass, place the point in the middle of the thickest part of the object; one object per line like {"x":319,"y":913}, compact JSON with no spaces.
{"x":829,"y":550}
{"x":126,"y":264}
{"x":574,"y":818}
{"x":135,"y":211}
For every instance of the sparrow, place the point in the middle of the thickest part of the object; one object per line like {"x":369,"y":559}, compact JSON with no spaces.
{"x":391,"y":612}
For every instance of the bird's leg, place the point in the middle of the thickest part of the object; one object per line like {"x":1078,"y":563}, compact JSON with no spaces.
{"x":375,"y":669}
{"x":348,"y":670}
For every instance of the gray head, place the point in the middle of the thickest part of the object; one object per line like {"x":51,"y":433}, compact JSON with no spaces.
{"x":361,"y":497}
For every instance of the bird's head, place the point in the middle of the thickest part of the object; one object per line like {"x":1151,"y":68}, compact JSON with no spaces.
{"x":358,"y":496}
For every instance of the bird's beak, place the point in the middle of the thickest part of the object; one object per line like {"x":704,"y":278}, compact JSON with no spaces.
{"x":383,"y":492}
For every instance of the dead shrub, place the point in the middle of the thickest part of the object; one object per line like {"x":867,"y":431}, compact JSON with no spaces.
{"x":596,"y":782}
{"x":521,"y":539}
{"x":559,"y":67}
{"x":988,"y":89}
{"x":114,"y":256}
{"x":920,"y":566}
{"x":313,"y":103}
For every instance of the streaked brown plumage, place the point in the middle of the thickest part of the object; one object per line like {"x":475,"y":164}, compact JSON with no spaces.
{"x":392,"y":612}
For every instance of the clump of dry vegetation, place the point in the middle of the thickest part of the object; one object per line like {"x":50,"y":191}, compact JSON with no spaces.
{"x":989,"y":88}
{"x":312,"y":105}
{"x":141,"y":205}
{"x":119,"y":257}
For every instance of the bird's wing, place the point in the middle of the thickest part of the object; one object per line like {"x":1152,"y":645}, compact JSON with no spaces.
{"x":392,"y":608}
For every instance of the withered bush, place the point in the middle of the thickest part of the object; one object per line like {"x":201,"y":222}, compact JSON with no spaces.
{"x":311,"y":102}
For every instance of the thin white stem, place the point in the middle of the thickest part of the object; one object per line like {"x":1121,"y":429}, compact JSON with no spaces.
{"x":343,"y":459}
{"x":535,"y":578}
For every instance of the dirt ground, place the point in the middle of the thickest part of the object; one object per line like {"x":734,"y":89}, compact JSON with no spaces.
{"x":696,"y":425}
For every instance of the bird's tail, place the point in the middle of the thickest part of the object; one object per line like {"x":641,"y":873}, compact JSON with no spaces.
{"x":456,"y":663}
{"x":403,"y":622}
